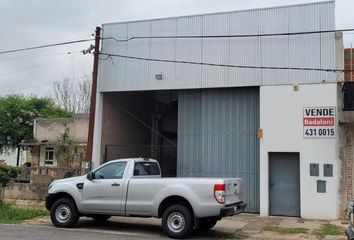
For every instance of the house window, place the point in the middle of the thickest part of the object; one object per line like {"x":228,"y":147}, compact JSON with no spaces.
{"x":49,"y":156}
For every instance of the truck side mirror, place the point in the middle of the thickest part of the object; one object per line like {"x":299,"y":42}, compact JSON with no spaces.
{"x":90,"y":176}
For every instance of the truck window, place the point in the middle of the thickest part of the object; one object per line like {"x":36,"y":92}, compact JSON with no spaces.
{"x":111,"y":171}
{"x":146,"y":168}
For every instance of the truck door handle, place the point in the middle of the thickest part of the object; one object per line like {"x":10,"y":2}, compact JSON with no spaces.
{"x":115,"y":185}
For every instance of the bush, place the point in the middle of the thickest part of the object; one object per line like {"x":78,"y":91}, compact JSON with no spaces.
{"x":10,"y":214}
{"x":6,"y":174}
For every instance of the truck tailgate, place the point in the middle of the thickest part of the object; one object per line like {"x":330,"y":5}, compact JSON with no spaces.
{"x":234,"y":191}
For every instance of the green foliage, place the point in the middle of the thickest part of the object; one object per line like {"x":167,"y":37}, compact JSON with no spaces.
{"x":11,"y":215}
{"x":7,"y":173}
{"x":283,"y":230}
{"x":17,"y":114}
{"x":329,"y":229}
{"x":67,"y":151}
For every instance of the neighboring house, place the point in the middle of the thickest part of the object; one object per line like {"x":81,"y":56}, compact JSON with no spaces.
{"x":46,"y":132}
{"x":276,"y":128}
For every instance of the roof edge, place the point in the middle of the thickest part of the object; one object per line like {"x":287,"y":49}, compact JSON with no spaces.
{"x":224,"y":12}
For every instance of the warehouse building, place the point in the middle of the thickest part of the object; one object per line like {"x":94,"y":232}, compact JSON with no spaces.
{"x":207,"y":106}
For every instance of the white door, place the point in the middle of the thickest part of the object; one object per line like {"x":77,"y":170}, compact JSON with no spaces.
{"x":104,"y":193}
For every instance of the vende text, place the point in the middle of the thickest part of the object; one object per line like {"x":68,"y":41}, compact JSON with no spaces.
{"x":314,"y":112}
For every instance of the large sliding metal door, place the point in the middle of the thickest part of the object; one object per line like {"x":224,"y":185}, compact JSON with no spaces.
{"x":217,"y":136}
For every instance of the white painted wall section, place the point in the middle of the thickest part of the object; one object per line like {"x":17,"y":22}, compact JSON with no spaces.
{"x":96,"y":146}
{"x":281,"y":118}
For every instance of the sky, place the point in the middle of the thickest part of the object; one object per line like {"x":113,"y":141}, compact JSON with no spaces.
{"x":26,"y":23}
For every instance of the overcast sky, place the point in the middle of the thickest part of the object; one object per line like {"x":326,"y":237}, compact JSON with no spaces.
{"x":26,"y":23}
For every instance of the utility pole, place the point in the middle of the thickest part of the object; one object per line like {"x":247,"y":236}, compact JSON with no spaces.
{"x":93,"y":97}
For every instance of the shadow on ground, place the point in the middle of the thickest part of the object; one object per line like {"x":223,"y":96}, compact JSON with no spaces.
{"x":148,"y":229}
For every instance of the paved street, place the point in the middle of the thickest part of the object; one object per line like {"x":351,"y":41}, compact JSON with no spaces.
{"x":117,"y":228}
{"x":41,"y":232}
{"x":243,"y":226}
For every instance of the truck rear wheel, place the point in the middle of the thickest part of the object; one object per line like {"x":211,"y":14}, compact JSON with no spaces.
{"x":63,"y":213}
{"x":207,"y":223}
{"x":177,"y":221}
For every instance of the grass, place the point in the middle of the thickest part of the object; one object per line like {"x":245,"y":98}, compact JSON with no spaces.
{"x":10,"y":214}
{"x":329,"y":229}
{"x":283,"y":230}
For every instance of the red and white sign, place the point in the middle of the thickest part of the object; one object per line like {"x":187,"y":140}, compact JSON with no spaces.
{"x":319,"y":122}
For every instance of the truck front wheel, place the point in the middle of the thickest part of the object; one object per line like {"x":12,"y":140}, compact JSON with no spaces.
{"x":177,"y":221}
{"x":63,"y":213}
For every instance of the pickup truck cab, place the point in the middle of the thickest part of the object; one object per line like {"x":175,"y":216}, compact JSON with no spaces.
{"x":134,"y":187}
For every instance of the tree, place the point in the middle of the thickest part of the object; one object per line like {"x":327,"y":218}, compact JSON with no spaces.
{"x":6,"y":174}
{"x":17,"y":114}
{"x":73,"y":96}
{"x":67,"y":151}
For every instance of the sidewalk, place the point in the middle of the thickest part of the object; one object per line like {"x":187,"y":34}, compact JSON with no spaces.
{"x":252,"y":226}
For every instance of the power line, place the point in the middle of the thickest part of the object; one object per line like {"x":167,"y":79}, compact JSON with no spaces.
{"x":231,"y":36}
{"x":144,"y":123}
{"x":190,"y":36}
{"x":40,"y":56}
{"x":227,"y":65}
{"x":33,"y":67}
{"x":39,"y":85}
{"x":46,"y":46}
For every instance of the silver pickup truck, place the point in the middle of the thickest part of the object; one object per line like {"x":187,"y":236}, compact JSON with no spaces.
{"x":134,"y":187}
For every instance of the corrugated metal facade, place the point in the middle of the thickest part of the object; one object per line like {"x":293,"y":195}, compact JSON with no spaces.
{"x":217,"y":136}
{"x":313,"y":51}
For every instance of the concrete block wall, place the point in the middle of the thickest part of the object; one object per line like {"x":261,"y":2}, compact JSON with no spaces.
{"x":346,"y":151}
{"x":34,"y":192}
{"x":347,"y":156}
{"x":26,"y":191}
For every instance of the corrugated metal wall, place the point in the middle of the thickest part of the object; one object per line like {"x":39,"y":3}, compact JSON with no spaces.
{"x":217,"y":136}
{"x":312,"y":51}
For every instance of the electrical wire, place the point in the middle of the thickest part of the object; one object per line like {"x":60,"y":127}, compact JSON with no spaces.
{"x":38,"y":86}
{"x":38,"y":66}
{"x":40,"y":56}
{"x":46,"y":46}
{"x":226,"y":65}
{"x":144,"y":123}
{"x":231,"y":36}
{"x":33,"y":67}
{"x":191,"y":36}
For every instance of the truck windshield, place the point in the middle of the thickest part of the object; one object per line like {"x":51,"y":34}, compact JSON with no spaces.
{"x":146,"y":168}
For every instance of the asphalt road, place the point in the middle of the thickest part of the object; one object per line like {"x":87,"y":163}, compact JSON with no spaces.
{"x":42,"y":232}
{"x":87,"y":229}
